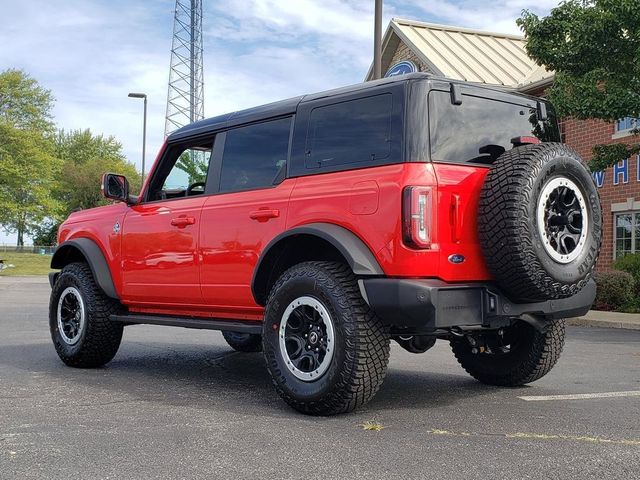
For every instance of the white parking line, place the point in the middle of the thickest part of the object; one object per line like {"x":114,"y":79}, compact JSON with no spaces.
{"x":580,"y":396}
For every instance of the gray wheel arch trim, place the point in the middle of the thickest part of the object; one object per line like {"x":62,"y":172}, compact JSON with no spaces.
{"x":94,"y":257}
{"x":357,"y":254}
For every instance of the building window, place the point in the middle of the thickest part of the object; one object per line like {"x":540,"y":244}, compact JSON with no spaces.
{"x":627,"y":234}
{"x":626,"y":124}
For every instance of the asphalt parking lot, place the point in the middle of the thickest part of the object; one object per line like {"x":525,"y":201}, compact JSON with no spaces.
{"x":179,"y":403}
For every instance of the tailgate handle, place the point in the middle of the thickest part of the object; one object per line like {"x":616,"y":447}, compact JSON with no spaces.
{"x":264,"y":215}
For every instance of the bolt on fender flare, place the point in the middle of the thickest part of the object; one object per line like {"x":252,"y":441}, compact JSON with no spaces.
{"x":94,"y":257}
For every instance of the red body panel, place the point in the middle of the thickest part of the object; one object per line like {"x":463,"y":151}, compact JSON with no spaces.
{"x":197,"y":255}
{"x":160,"y":253}
{"x":98,"y":225}
{"x":236,"y":227}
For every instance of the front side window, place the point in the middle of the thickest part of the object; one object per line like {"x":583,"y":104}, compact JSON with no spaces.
{"x":255,"y":156}
{"x":350,"y":132}
{"x":183,"y":172}
{"x":480,"y":129}
{"x":627,"y":234}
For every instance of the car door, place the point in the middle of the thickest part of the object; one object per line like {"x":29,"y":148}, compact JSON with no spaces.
{"x":160,"y":261}
{"x":248,"y":211}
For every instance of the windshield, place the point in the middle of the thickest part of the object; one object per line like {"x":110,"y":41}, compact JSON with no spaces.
{"x":480,"y":129}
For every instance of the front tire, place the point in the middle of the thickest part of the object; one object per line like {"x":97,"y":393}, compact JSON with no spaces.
{"x":326,"y":351}
{"x":82,"y":333}
{"x":523,"y":355}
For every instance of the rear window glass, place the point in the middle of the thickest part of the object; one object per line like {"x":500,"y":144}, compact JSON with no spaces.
{"x":350,"y":132}
{"x":255,"y":155}
{"x":481,"y":129}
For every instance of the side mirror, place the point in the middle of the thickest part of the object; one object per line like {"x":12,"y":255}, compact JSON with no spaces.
{"x":115,"y":187}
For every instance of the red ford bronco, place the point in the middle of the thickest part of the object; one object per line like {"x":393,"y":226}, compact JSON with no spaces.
{"x":319,"y":228}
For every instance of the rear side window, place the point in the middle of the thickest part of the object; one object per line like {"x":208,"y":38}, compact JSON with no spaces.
{"x":255,"y":156}
{"x":480,"y":129}
{"x":350,"y":132}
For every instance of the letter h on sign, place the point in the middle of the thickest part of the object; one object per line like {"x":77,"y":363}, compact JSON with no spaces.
{"x":621,"y":168}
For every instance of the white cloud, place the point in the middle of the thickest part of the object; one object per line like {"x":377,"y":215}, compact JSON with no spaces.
{"x":492,"y":15}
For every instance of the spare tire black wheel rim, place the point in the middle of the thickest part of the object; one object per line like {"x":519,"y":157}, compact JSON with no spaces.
{"x":306,"y":338}
{"x":562,"y":219}
{"x":71,"y":315}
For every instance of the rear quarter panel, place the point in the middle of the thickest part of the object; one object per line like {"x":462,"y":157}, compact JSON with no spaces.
{"x":368,"y":202}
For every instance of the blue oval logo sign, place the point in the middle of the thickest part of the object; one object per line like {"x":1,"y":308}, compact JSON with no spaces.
{"x":401,"y":68}
{"x":456,"y":258}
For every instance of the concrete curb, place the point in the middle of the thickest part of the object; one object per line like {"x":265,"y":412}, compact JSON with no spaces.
{"x":594,"y":318}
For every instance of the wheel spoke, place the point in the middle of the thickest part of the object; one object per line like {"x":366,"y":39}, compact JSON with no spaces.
{"x":295,"y":346}
{"x":70,"y":315}
{"x":306,"y":336}
{"x":561,"y":218}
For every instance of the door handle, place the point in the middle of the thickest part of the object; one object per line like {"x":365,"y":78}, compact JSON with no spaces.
{"x":182,"y":222}
{"x":264,"y":215}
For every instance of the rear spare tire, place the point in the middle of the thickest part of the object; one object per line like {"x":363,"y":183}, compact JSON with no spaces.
{"x":540,"y":222}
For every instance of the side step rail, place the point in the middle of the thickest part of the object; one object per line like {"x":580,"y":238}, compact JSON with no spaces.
{"x":191,"y":322}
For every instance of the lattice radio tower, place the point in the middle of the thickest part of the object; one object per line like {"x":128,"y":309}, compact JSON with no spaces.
{"x":185,"y":96}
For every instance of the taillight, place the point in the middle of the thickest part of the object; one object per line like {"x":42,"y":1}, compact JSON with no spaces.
{"x":417,"y":216}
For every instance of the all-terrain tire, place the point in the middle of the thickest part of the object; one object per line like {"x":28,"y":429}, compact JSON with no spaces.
{"x":360,"y":348}
{"x":243,"y":342}
{"x":518,"y":254}
{"x":533,"y":354}
{"x":99,"y":339}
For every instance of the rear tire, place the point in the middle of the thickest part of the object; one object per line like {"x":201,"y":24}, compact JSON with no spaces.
{"x":326,"y":351}
{"x":540,"y":222}
{"x":532,"y":354}
{"x":243,"y":342}
{"x":82,"y":333}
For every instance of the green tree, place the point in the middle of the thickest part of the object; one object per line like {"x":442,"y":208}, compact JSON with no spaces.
{"x":195,"y":164}
{"x":594,"y":48}
{"x":24,"y":103}
{"x":46,"y":233}
{"x":85,"y":158}
{"x":27,"y":163}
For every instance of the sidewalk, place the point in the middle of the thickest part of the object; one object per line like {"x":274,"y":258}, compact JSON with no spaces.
{"x":595,"y":318}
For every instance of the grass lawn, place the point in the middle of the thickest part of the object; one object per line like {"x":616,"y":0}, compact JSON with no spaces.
{"x":25,"y":264}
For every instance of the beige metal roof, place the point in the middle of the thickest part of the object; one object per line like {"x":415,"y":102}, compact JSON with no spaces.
{"x":465,"y":54}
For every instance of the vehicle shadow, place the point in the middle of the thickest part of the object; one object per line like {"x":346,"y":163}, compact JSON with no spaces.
{"x":212,"y":377}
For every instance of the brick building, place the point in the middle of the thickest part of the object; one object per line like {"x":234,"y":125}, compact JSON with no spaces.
{"x":500,"y":59}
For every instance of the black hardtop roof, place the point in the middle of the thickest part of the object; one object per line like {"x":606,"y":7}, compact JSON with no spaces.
{"x":289,"y":106}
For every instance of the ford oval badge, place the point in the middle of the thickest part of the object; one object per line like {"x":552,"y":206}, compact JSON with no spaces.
{"x":456,"y":258}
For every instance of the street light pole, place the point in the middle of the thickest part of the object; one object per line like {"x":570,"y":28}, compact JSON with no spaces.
{"x":144,"y":127}
{"x":377,"y":41}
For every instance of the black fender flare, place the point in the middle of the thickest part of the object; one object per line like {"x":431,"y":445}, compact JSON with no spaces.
{"x":94,"y":257}
{"x":357,"y":254}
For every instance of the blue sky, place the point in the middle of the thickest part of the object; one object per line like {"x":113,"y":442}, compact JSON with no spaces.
{"x":91,"y":53}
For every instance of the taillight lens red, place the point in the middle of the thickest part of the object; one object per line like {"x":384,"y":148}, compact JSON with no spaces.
{"x":417,"y":216}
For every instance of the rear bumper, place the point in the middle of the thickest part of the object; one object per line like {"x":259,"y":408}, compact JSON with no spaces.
{"x":418,"y":306}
